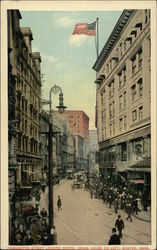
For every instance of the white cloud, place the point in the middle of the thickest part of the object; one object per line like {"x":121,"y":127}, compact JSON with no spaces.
{"x":64,"y":22}
{"x":51,"y":59}
{"x":77,"y":40}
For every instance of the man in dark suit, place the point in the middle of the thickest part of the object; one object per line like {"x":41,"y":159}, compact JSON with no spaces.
{"x":119,"y":224}
{"x":114,"y":239}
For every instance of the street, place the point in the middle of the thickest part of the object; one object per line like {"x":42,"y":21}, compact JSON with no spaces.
{"x":86,"y":221}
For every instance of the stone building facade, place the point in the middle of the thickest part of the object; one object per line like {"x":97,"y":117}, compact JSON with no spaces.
{"x":24,"y":91}
{"x":123,"y":86}
{"x":27,"y":111}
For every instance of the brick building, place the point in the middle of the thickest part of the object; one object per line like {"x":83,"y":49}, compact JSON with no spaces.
{"x":78,"y":124}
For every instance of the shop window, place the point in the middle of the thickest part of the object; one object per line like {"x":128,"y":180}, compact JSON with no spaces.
{"x":138,"y":151}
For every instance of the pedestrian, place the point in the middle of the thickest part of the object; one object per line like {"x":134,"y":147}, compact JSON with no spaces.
{"x":116,"y":205}
{"x":59,"y":203}
{"x":43,"y":213}
{"x":136,"y":206}
{"x":119,"y":224}
{"x":91,"y":193}
{"x":28,"y":240}
{"x":54,"y":233}
{"x":34,"y":228}
{"x":110,"y":200}
{"x":114,"y":239}
{"x":129,"y":211}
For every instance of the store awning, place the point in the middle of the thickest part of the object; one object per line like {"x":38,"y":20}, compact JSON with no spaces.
{"x":146,"y":170}
{"x":137,"y":181}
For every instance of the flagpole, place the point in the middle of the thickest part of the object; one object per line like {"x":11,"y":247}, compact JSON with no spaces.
{"x":97,"y":37}
{"x":97,"y":52}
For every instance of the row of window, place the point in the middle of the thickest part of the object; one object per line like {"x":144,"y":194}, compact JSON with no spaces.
{"x":122,"y":76}
{"x":137,"y":61}
{"x":137,"y":115}
{"x":136,"y":91}
{"x":122,"y":101}
{"x":23,"y":126}
{"x":23,"y":104}
{"x":121,"y":49}
{"x":35,"y":147}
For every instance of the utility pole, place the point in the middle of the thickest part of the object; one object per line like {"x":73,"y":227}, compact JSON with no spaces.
{"x":51,"y":213}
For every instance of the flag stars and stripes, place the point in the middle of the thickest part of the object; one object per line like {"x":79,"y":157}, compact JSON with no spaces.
{"x":85,"y":29}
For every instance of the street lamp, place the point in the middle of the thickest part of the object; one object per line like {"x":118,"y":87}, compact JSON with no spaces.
{"x":55,"y":89}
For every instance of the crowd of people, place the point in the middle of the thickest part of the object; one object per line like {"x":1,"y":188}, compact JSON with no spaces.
{"x":118,"y":197}
{"x":30,"y":230}
{"x":115,"y":196}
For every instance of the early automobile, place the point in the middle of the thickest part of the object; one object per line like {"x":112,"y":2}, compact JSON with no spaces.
{"x":76,"y":184}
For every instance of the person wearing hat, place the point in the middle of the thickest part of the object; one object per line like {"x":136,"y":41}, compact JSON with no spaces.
{"x":129,"y":211}
{"x":114,"y":239}
{"x":119,"y":224}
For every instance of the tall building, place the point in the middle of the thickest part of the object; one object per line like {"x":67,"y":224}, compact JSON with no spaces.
{"x":63,"y":149}
{"x":24,"y":91}
{"x":78,"y":123}
{"x":123,"y":86}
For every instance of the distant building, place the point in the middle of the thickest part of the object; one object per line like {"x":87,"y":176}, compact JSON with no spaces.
{"x":63,"y":145}
{"x":124,"y":101}
{"x":78,"y":123}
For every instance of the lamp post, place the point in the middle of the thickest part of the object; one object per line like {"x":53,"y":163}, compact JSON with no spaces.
{"x":55,"y":89}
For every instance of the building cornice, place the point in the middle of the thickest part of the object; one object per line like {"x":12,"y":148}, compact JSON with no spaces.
{"x":113,"y":38}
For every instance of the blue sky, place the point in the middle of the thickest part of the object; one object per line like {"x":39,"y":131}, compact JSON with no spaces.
{"x":67,"y":59}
